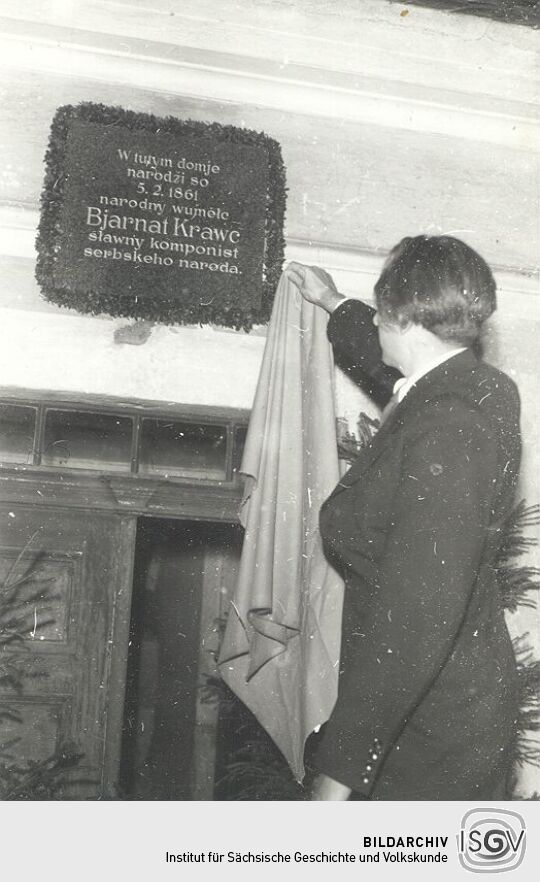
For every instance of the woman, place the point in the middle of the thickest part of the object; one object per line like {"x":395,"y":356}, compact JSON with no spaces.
{"x":427,"y":692}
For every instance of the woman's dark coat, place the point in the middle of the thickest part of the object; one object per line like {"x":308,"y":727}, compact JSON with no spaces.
{"x":427,"y":692}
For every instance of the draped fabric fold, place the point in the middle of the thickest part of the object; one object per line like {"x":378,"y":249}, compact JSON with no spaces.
{"x":280,"y":651}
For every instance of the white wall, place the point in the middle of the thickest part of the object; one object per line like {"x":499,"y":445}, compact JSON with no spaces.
{"x":389,"y":126}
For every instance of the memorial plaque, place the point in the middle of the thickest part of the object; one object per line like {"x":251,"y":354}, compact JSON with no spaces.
{"x":161,"y":219}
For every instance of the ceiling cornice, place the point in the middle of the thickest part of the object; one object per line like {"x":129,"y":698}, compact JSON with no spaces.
{"x":290,"y":87}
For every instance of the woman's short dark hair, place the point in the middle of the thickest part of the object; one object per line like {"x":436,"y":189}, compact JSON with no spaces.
{"x":440,"y":283}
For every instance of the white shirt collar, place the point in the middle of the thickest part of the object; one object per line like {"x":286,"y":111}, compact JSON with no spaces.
{"x":405,"y":384}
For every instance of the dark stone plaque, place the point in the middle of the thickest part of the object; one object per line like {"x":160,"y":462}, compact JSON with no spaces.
{"x":160,"y":219}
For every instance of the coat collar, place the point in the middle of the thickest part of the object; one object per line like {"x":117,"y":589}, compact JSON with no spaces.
{"x":445,"y":377}
{"x":442,"y":379}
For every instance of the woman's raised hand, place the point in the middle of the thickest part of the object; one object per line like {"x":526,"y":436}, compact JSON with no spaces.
{"x":314,"y":284}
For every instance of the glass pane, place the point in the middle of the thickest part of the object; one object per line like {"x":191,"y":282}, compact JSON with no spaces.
{"x":17,"y":425}
{"x":238,"y":452}
{"x":189,"y":450}
{"x":79,"y":440}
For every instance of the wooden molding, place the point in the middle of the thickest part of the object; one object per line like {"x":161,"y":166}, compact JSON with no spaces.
{"x":134,"y":406}
{"x":172,"y":498}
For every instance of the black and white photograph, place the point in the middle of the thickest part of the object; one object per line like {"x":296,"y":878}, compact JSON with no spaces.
{"x":269,"y":462}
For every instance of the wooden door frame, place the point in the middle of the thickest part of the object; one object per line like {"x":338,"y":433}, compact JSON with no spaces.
{"x":130,"y":497}
{"x":117,"y":669}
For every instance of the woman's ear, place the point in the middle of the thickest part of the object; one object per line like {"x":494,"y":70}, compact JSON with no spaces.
{"x":405,"y":327}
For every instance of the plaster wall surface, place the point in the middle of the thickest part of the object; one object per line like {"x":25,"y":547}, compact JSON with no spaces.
{"x":356,"y":185}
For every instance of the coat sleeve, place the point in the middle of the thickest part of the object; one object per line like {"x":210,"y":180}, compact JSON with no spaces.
{"x":357,"y":352}
{"x":426,"y":577}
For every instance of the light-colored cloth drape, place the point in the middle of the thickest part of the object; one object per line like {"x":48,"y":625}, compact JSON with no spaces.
{"x":280,"y":651}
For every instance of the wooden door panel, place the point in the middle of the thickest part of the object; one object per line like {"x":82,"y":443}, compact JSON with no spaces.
{"x":39,"y":571}
{"x":43,"y":721}
{"x":73,"y":570}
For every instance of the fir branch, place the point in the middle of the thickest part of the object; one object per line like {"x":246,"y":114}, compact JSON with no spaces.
{"x":513,"y":541}
{"x":20,"y":599}
{"x":527,"y":748}
{"x":39,"y":779}
{"x":24,"y":550}
{"x":517,"y":583}
{"x":257,"y":773}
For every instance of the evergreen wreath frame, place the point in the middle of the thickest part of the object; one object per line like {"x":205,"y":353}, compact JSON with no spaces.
{"x":165,"y":308}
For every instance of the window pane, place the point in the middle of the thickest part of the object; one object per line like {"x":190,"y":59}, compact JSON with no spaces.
{"x":182,"y":449}
{"x":79,"y":440}
{"x":17,"y":424}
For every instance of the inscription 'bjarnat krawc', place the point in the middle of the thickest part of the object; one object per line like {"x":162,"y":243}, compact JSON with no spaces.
{"x":95,"y":217}
{"x":103,"y":221}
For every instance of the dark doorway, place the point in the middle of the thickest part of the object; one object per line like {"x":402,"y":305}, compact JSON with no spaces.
{"x":184,"y":572}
